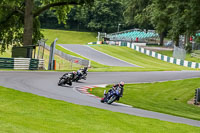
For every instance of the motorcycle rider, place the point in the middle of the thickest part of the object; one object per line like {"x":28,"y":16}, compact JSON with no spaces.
{"x":117,"y":87}
{"x":72,"y":76}
{"x":81,"y":72}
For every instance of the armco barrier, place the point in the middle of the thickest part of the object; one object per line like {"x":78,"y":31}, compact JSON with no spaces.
{"x":160,"y":56}
{"x":71,"y":58}
{"x":21,"y":63}
{"x":7,"y":63}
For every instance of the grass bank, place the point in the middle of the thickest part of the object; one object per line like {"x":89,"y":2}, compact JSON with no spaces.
{"x":188,"y":56}
{"x":25,"y":112}
{"x":69,"y":37}
{"x":146,"y":62}
{"x":167,"y":97}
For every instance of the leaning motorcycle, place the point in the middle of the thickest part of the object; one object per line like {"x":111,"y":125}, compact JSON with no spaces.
{"x":111,"y":96}
{"x":65,"y":79}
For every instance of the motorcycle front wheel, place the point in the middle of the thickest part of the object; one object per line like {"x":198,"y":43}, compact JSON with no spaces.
{"x":61,"y":82}
{"x":112,"y":99}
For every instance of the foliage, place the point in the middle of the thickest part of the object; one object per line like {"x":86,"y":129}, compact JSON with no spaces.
{"x":103,"y":16}
{"x":189,"y":48}
{"x":107,"y":16}
{"x":169,"y":16}
{"x":136,"y":14}
{"x":197,"y":39}
{"x":10,"y":31}
{"x":48,"y":20}
{"x":12,"y":19}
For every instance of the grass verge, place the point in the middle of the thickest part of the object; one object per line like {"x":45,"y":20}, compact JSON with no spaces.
{"x":69,"y":37}
{"x":147,"y":62}
{"x":188,"y":56}
{"x":167,"y":97}
{"x":25,"y":112}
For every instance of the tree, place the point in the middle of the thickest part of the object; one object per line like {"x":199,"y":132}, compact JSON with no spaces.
{"x":20,"y":18}
{"x":167,"y":16}
{"x":159,"y":17}
{"x":136,"y":13}
{"x":106,"y":15}
{"x":176,"y":17}
{"x":103,"y":16}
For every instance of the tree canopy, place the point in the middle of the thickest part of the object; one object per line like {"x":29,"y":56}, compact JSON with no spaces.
{"x":19,"y":22}
{"x":103,"y":16}
{"x":173,"y":17}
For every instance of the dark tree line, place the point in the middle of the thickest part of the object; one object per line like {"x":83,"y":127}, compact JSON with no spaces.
{"x":103,"y":16}
{"x":21,"y":20}
{"x":19,"y":23}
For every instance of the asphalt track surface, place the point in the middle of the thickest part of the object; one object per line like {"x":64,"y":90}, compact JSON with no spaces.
{"x":45,"y":84}
{"x":96,"y":56}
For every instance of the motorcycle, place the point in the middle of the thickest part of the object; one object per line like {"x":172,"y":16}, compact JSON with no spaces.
{"x":111,"y":96}
{"x":65,"y":79}
{"x":81,"y":74}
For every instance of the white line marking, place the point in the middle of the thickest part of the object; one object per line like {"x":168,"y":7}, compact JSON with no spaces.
{"x":113,"y":57}
{"x":80,"y":54}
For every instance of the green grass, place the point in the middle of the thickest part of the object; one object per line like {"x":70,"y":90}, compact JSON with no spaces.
{"x":148,"y":63}
{"x":188,"y":56}
{"x":25,"y":112}
{"x":167,"y":97}
{"x":69,"y":37}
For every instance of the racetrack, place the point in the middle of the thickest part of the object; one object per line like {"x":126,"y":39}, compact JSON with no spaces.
{"x":45,"y":84}
{"x":97,"y":56}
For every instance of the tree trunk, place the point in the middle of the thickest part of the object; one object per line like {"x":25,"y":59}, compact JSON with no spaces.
{"x":188,"y":39}
{"x":177,"y":41}
{"x":185,"y":39}
{"x":161,"y":38}
{"x":28,"y":23}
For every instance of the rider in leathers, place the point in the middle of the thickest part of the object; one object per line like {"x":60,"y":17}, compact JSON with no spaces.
{"x":72,"y":76}
{"x":120,"y":90}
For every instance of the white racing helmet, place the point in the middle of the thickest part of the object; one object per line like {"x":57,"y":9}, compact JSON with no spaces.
{"x":121,"y":83}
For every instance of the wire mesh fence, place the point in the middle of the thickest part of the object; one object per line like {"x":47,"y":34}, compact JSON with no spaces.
{"x":179,"y":53}
{"x":63,"y":61}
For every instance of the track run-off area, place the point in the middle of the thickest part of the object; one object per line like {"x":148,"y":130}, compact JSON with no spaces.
{"x":45,"y":84}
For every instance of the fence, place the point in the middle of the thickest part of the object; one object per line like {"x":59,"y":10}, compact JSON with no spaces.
{"x":21,"y":63}
{"x":179,"y":53}
{"x":70,"y":58}
{"x":134,"y":35}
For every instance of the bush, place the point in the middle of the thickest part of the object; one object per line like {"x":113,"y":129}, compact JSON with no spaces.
{"x":189,"y":48}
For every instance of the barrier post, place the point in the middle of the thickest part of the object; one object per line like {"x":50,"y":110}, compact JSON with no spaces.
{"x":54,"y":64}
